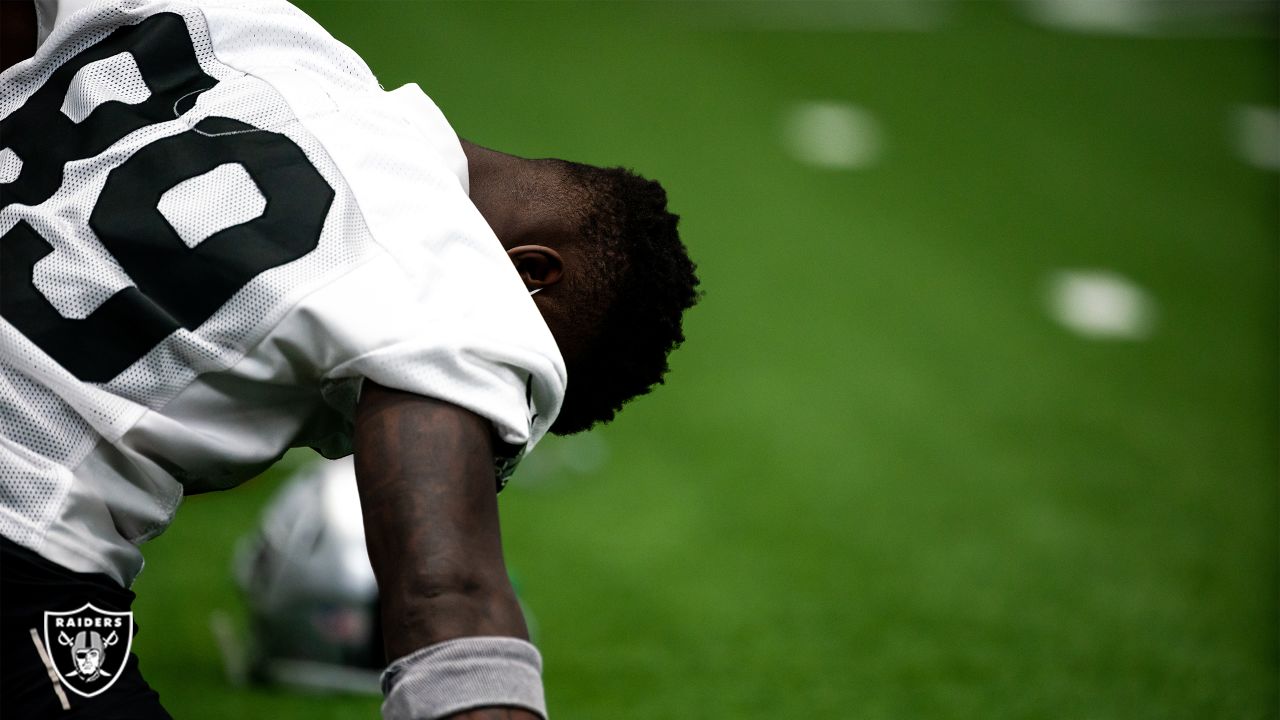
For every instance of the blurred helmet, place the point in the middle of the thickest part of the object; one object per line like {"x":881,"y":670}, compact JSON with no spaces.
{"x":310,"y":591}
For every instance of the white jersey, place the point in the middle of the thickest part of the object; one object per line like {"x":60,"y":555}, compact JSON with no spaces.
{"x":214,"y":224}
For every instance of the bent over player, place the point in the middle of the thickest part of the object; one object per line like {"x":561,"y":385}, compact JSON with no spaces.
{"x":219,"y":239}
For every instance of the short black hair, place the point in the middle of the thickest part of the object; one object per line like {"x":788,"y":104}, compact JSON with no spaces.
{"x":641,"y":281}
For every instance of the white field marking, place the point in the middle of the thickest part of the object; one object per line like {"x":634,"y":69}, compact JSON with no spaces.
{"x":1100,"y":305}
{"x":1257,"y":135}
{"x":1155,"y":17}
{"x":10,"y":165}
{"x":557,"y":459}
{"x":832,"y":134}
{"x":1101,"y":16}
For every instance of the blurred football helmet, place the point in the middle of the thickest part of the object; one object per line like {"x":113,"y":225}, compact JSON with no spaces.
{"x":310,"y":591}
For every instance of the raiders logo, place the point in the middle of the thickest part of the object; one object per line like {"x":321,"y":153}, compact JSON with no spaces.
{"x":88,"y":647}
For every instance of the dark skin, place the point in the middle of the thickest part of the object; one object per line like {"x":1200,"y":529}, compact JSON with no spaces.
{"x":424,"y":467}
{"x":17,"y":32}
{"x":524,"y":203}
{"x":425,"y":473}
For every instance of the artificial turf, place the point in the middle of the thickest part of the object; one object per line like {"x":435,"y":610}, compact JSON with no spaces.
{"x":880,"y":481}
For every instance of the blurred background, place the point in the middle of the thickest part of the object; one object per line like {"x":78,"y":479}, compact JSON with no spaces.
{"x":978,"y":417}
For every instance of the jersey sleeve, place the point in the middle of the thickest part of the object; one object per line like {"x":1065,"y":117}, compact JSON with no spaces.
{"x":434,"y":306}
{"x":216,"y":227}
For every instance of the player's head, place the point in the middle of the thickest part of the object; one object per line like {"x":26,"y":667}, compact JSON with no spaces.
{"x":621,"y":302}
{"x":613,"y":278}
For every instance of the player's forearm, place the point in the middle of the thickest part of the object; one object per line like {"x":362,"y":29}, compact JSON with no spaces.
{"x":417,"y":615}
{"x":451,"y":622}
{"x":431,"y":522}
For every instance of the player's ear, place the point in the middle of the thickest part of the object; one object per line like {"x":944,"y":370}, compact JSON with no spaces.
{"x":539,"y":266}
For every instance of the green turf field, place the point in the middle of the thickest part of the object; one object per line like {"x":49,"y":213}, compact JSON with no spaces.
{"x":882,"y":481}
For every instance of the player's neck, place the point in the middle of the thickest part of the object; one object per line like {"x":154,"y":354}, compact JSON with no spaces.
{"x":494,"y":181}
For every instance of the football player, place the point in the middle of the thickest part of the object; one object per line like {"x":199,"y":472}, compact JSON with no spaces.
{"x":220,"y":238}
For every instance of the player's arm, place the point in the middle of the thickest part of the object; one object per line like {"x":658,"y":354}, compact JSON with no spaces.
{"x":426,"y":478}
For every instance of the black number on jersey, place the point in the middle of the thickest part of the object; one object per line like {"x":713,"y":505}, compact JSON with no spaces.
{"x":175,"y":286}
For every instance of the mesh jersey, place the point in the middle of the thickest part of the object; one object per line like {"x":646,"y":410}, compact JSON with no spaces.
{"x":213,"y":225}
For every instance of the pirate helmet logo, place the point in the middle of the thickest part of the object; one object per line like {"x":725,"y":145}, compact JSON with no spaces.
{"x":88,"y":647}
